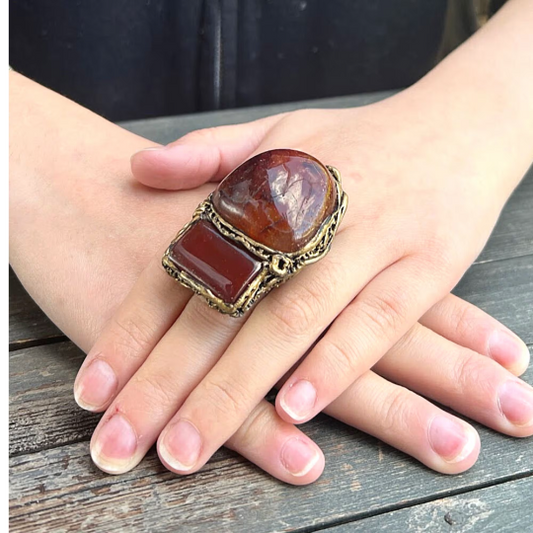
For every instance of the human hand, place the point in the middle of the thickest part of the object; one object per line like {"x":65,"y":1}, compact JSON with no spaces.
{"x":214,"y":153}
{"x":460,"y":377}
{"x":74,"y":181}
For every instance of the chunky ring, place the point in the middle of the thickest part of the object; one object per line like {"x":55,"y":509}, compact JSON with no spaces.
{"x":271,"y":216}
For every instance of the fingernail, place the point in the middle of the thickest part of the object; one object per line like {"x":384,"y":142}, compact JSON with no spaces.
{"x":516,"y":403}
{"x":507,"y":349}
{"x":115,"y":445}
{"x":299,"y":400}
{"x":150,"y":149}
{"x":298,"y":456}
{"x":451,"y":439}
{"x":180,"y":447}
{"x":96,"y":386}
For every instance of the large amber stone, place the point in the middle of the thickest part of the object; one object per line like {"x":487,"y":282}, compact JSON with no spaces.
{"x":219,"y":264}
{"x":278,"y":198}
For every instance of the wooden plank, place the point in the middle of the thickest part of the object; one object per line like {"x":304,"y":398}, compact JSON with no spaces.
{"x":513,"y":235}
{"x":59,"y":489}
{"x":499,"y":509}
{"x":28,"y":325}
{"x":42,"y":411}
{"x":166,"y":129}
{"x":505,"y":290}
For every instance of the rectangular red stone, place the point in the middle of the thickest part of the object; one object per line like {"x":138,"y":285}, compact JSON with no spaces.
{"x":218,"y":263}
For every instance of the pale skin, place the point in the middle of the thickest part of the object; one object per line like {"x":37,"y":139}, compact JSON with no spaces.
{"x":422,"y":155}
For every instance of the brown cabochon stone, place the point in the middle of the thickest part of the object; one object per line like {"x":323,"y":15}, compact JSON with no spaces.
{"x":278,"y":198}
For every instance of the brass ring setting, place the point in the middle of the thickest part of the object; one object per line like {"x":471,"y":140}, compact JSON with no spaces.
{"x":271,"y":216}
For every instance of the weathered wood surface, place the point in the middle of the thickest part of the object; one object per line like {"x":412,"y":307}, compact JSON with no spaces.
{"x":367,"y":486}
{"x":28,"y":325}
{"x":55,"y":486}
{"x":501,"y":509}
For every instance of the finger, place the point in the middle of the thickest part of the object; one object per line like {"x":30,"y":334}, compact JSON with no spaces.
{"x":277,"y":447}
{"x":462,"y":379}
{"x":277,"y":333}
{"x":381,"y":313}
{"x":407,"y":422}
{"x":148,"y":311}
{"x":200,"y":156}
{"x":467,"y":325}
{"x":139,"y":413}
{"x":147,"y":402}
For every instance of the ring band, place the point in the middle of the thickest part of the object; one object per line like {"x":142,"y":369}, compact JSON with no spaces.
{"x":270,"y":217}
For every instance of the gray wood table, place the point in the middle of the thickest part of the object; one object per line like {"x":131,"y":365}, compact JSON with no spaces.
{"x":366,"y":486}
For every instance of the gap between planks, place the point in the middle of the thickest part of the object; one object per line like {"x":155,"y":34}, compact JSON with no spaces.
{"x":414,"y":503}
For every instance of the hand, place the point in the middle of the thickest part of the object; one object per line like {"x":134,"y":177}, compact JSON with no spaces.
{"x":120,"y":222}
{"x":397,"y":253}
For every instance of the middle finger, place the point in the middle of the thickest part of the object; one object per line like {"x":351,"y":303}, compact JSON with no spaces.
{"x":275,"y":336}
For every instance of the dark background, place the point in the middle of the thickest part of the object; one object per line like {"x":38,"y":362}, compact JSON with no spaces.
{"x":130,"y":59}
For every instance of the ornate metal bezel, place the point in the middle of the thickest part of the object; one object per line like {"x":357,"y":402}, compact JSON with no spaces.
{"x":276,"y":267}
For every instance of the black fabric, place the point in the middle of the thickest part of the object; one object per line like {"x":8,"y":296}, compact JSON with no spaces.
{"x":131,"y":59}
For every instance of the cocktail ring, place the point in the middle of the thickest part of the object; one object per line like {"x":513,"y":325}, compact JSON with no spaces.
{"x":271,"y":216}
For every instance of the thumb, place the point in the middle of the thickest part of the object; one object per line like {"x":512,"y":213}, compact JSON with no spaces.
{"x":200,"y":156}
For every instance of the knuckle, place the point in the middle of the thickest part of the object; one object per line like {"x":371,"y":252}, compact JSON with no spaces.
{"x":155,"y":391}
{"x":410,"y":341}
{"x":340,"y":357}
{"x":211,"y":155}
{"x":254,"y":428}
{"x":292,"y":317}
{"x":227,"y":396}
{"x":217,"y":326}
{"x":132,"y":335}
{"x":471,"y":370}
{"x":468,"y":322}
{"x":383,"y":313}
{"x":464,"y":320}
{"x":396,"y":410}
{"x":439,"y":258}
{"x":296,"y":311}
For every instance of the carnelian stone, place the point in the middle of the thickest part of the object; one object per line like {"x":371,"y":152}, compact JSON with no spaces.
{"x":278,"y":198}
{"x":218,"y":263}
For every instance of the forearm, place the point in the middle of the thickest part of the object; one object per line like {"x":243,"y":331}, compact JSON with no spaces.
{"x":69,"y":176}
{"x":482,"y":96}
{"x":49,"y":133}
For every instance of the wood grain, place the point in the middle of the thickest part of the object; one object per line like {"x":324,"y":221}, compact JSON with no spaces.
{"x":362,"y":475}
{"x":28,"y":325}
{"x":61,"y":487}
{"x":500,"y":509}
{"x":504,"y":289}
{"x":166,"y":129}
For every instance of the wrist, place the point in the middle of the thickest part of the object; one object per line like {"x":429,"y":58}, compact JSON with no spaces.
{"x":481,"y":97}
{"x":51,"y":135}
